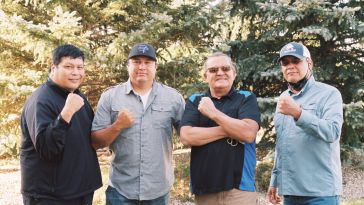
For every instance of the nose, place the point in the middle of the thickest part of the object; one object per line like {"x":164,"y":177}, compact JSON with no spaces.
{"x":220,"y":71}
{"x":290,"y":65}
{"x":142,"y":66}
{"x":76,"y":71}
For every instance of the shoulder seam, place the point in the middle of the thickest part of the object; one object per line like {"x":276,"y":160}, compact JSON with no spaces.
{"x":192,"y":98}
{"x":245,"y":93}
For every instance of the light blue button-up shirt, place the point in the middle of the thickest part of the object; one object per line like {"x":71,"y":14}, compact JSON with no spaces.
{"x":307,"y":157}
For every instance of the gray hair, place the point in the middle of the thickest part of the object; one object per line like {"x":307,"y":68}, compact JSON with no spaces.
{"x":218,"y":54}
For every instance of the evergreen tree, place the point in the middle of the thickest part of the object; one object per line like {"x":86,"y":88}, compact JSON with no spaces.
{"x":333,"y":32}
{"x":106,"y":30}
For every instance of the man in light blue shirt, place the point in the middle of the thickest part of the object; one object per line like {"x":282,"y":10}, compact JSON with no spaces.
{"x":308,"y":121}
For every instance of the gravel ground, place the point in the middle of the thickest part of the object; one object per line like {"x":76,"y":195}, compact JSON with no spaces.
{"x":353,"y":180}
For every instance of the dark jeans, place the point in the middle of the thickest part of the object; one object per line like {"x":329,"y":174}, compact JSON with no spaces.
{"x":306,"y":200}
{"x":84,"y":200}
{"x":113,"y":197}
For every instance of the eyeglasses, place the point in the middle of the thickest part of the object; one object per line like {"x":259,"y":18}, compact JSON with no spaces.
{"x":216,"y":69}
{"x":287,"y":61}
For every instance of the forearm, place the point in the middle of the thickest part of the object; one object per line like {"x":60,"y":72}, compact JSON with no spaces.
{"x":198,"y":136}
{"x":326,"y":122}
{"x":67,"y":115}
{"x":50,"y":142}
{"x":243,"y":130}
{"x":326,"y":129}
{"x":104,"y":137}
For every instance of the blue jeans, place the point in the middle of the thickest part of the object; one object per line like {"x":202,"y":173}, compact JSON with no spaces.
{"x":308,"y":200}
{"x":113,"y":197}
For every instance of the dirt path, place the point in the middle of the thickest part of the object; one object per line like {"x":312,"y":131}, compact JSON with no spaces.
{"x":353,"y":180}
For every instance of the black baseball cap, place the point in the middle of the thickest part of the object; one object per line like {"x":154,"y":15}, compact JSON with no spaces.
{"x":143,"y":49}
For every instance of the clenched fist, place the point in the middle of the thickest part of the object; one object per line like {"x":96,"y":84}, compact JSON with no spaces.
{"x":124,"y":120}
{"x":207,"y":107}
{"x":73,"y":104}
{"x":287,"y":106}
{"x":273,"y":196}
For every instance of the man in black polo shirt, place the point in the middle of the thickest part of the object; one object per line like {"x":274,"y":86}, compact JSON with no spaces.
{"x":58,"y":164}
{"x":220,"y":126}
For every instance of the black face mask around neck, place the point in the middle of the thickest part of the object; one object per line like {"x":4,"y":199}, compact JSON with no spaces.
{"x":300,"y":84}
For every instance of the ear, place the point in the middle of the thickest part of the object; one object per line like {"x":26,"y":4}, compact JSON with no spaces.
{"x":310,"y":63}
{"x":204,"y":76}
{"x":52,"y":68}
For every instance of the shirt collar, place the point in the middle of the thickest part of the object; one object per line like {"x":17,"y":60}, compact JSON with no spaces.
{"x":61,"y":91}
{"x":229,"y":95}
{"x":129,"y":87}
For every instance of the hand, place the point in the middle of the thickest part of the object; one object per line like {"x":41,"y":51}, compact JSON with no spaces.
{"x":73,"y":104}
{"x":287,"y":106}
{"x":272,"y":195}
{"x":125,"y":119}
{"x":207,"y":107}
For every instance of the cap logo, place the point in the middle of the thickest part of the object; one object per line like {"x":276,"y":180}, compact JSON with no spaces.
{"x":289,"y":48}
{"x":143,"y":48}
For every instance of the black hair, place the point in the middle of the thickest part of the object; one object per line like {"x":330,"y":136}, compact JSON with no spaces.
{"x":66,"y":50}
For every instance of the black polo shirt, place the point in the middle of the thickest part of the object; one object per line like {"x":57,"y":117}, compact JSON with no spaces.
{"x":219,"y":166}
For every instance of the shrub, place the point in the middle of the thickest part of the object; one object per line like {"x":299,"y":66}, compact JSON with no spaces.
{"x":262,"y":175}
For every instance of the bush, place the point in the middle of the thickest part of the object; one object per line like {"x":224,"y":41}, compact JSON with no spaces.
{"x":262,"y":175}
{"x":181,"y":187}
{"x":9,"y":146}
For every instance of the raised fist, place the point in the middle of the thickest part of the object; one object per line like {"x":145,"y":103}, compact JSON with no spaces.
{"x":287,"y":106}
{"x":73,"y":103}
{"x":124,"y":120}
{"x":207,"y":107}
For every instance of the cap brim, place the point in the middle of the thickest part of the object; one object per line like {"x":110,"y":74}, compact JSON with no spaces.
{"x":291,"y":54}
{"x":143,"y":56}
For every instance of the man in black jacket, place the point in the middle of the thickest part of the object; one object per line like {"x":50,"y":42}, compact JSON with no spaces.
{"x":58,"y":164}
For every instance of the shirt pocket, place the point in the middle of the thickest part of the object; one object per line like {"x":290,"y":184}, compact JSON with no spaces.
{"x":114,"y":115}
{"x":311,"y":108}
{"x":115,"y":108}
{"x":161,"y":115}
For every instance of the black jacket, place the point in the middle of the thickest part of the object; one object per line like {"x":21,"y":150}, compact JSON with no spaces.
{"x":57,"y":159}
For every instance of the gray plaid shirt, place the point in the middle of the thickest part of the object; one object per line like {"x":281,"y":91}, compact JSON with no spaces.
{"x":141,"y":165}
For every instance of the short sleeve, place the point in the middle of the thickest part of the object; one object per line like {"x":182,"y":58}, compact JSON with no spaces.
{"x":249,"y":108}
{"x":191,"y":115}
{"x":102,"y":117}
